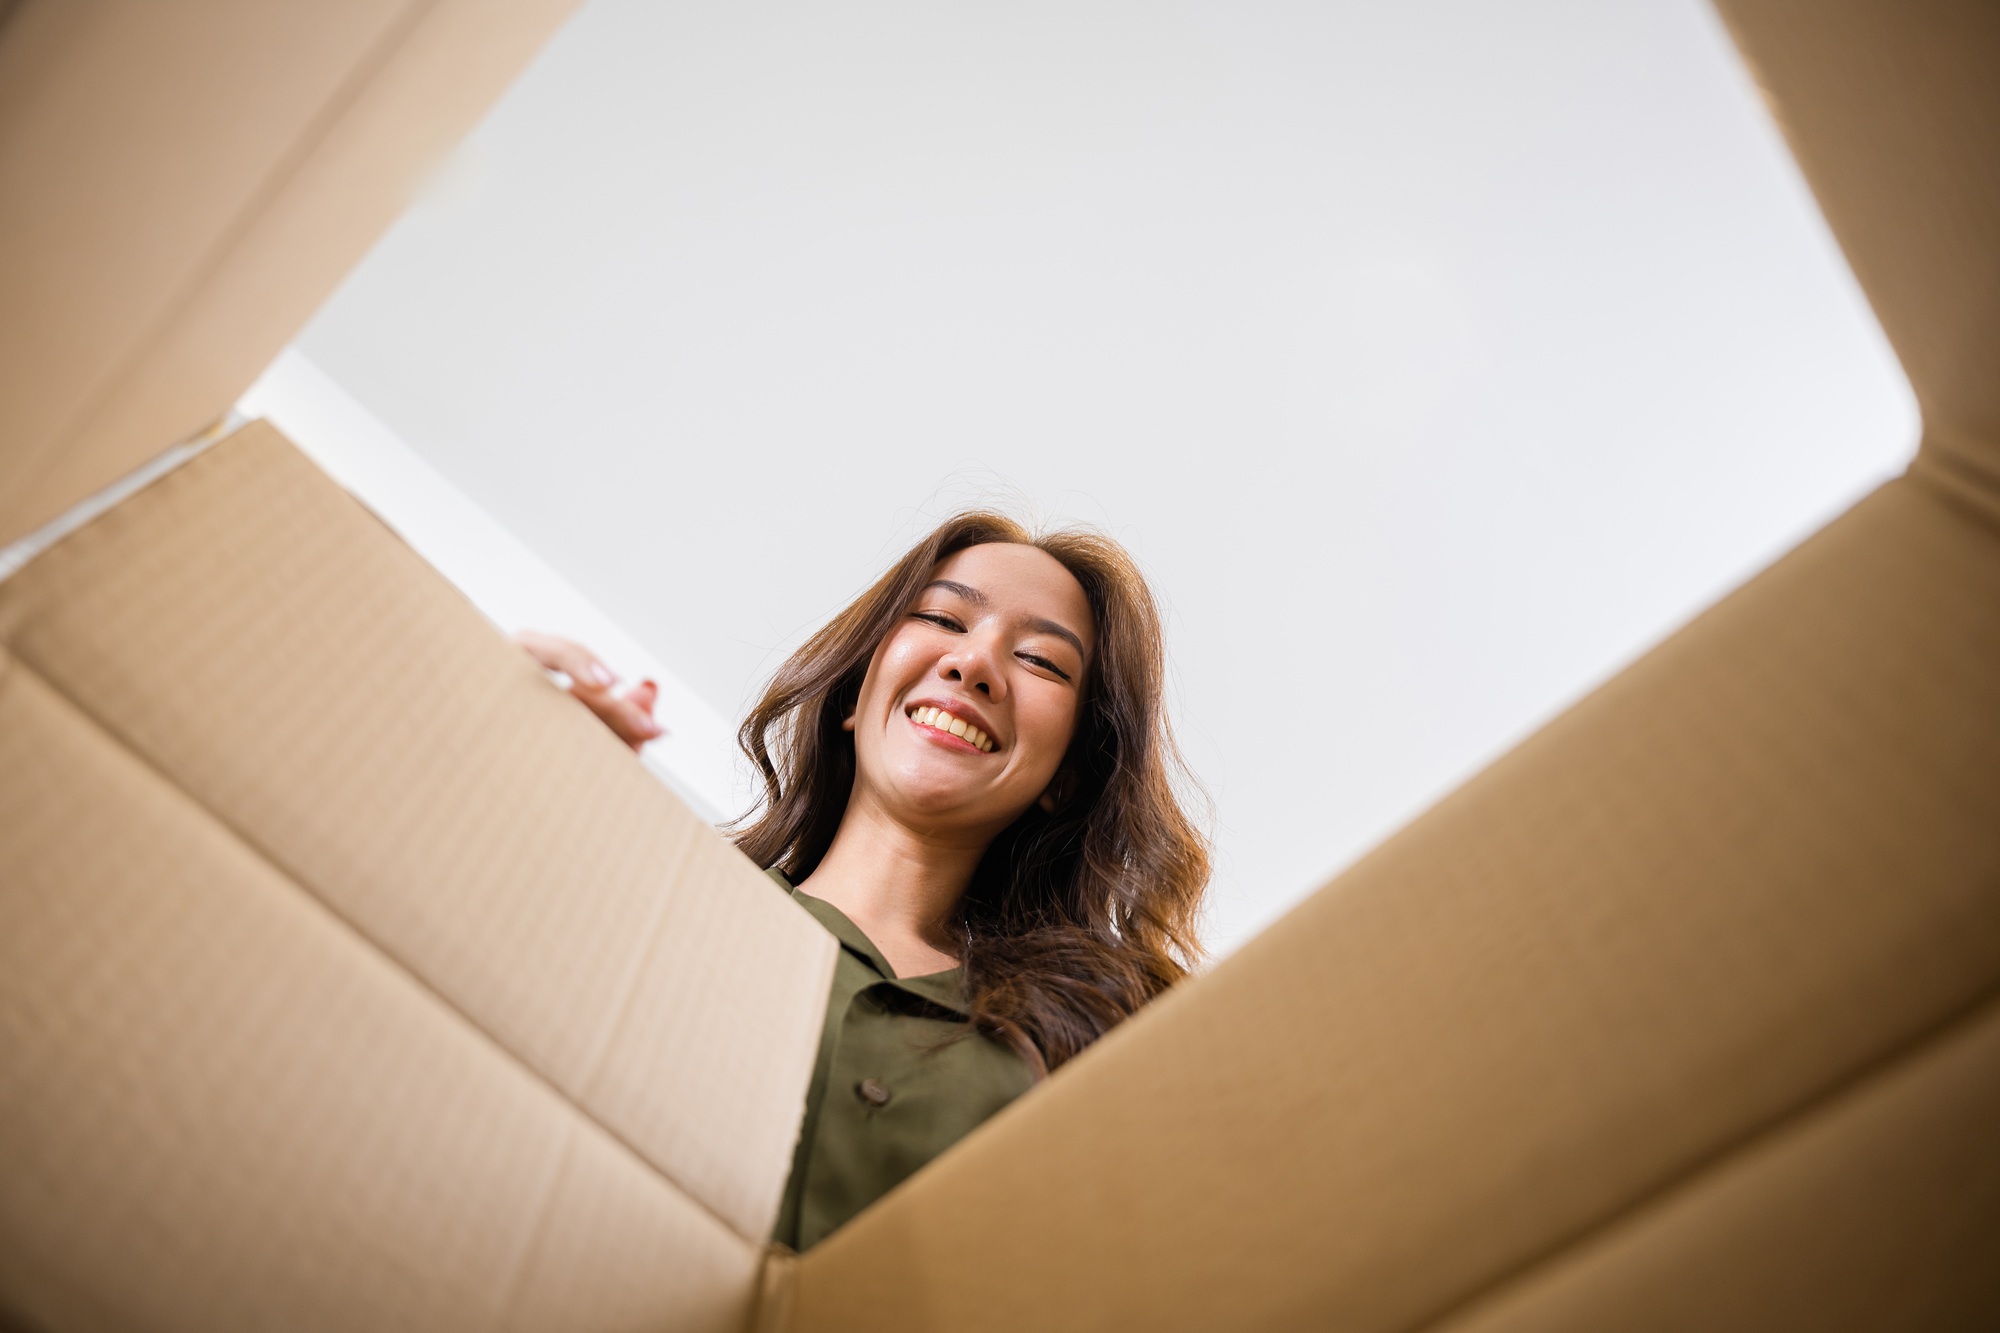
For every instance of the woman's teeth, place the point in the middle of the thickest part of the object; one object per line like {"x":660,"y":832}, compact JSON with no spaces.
{"x":943,"y":721}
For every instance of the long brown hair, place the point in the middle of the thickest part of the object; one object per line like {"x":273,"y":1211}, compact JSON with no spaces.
{"x":1075,"y":918}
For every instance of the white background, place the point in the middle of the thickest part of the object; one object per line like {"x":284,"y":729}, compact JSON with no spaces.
{"x":1434,"y":359}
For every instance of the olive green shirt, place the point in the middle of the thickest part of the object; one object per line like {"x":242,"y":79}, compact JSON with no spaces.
{"x":898,"y":1080}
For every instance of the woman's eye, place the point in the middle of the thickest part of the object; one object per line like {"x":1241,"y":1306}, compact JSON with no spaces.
{"x":1044,"y":663}
{"x":941,"y":621}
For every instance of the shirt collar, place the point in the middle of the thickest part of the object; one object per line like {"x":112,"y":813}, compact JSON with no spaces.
{"x":944,"y":989}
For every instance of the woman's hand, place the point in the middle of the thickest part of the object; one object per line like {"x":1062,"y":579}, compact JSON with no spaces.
{"x":630,"y":716}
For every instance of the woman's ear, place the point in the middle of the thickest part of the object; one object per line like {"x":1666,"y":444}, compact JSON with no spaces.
{"x":1056,"y":795}
{"x":848,"y":725}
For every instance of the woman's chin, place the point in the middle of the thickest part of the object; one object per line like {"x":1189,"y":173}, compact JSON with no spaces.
{"x":933,"y":788}
{"x":946,"y":799}
{"x":938,"y":803}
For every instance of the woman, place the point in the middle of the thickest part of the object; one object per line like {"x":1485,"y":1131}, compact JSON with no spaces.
{"x":969,"y":780}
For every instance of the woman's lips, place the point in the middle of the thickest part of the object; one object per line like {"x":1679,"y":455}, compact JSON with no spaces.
{"x":950,"y":725}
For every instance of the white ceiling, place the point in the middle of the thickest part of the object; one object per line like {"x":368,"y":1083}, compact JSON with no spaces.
{"x":1434,"y":358}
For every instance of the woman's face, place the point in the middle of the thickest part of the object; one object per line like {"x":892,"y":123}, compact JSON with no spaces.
{"x":970,"y":702}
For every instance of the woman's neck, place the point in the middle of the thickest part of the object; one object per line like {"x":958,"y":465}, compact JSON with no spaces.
{"x":898,"y":885}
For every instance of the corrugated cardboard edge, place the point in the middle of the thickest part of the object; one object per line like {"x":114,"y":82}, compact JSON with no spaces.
{"x":774,"y":1309}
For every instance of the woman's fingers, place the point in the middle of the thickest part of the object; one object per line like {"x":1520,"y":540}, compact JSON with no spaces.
{"x":630,"y":716}
{"x":637,"y":724}
{"x":567,"y":656}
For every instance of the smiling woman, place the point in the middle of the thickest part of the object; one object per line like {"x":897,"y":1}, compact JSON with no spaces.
{"x":969,"y":779}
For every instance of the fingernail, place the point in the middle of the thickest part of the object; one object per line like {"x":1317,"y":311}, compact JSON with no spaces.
{"x":600,"y":674}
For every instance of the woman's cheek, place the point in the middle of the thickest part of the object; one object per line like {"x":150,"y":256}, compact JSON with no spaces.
{"x":1049,"y":721}
{"x":900,"y":656}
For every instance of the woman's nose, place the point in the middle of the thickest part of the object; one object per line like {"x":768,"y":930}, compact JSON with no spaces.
{"x":974,"y":664}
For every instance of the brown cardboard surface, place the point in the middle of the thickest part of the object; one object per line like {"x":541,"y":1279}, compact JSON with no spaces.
{"x":1893,"y":112}
{"x":181,"y":185}
{"x":221,"y":1108}
{"x":1757,"y":863}
{"x":260,"y":640}
{"x":1878,"y":1212}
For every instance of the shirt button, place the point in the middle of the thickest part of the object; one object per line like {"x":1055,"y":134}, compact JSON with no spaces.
{"x":870,"y":1090}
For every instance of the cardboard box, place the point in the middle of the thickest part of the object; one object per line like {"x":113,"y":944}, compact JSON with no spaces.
{"x":350,"y":976}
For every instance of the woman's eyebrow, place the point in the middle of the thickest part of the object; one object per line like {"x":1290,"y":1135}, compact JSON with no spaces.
{"x":1051,"y":627}
{"x":965,"y":590}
